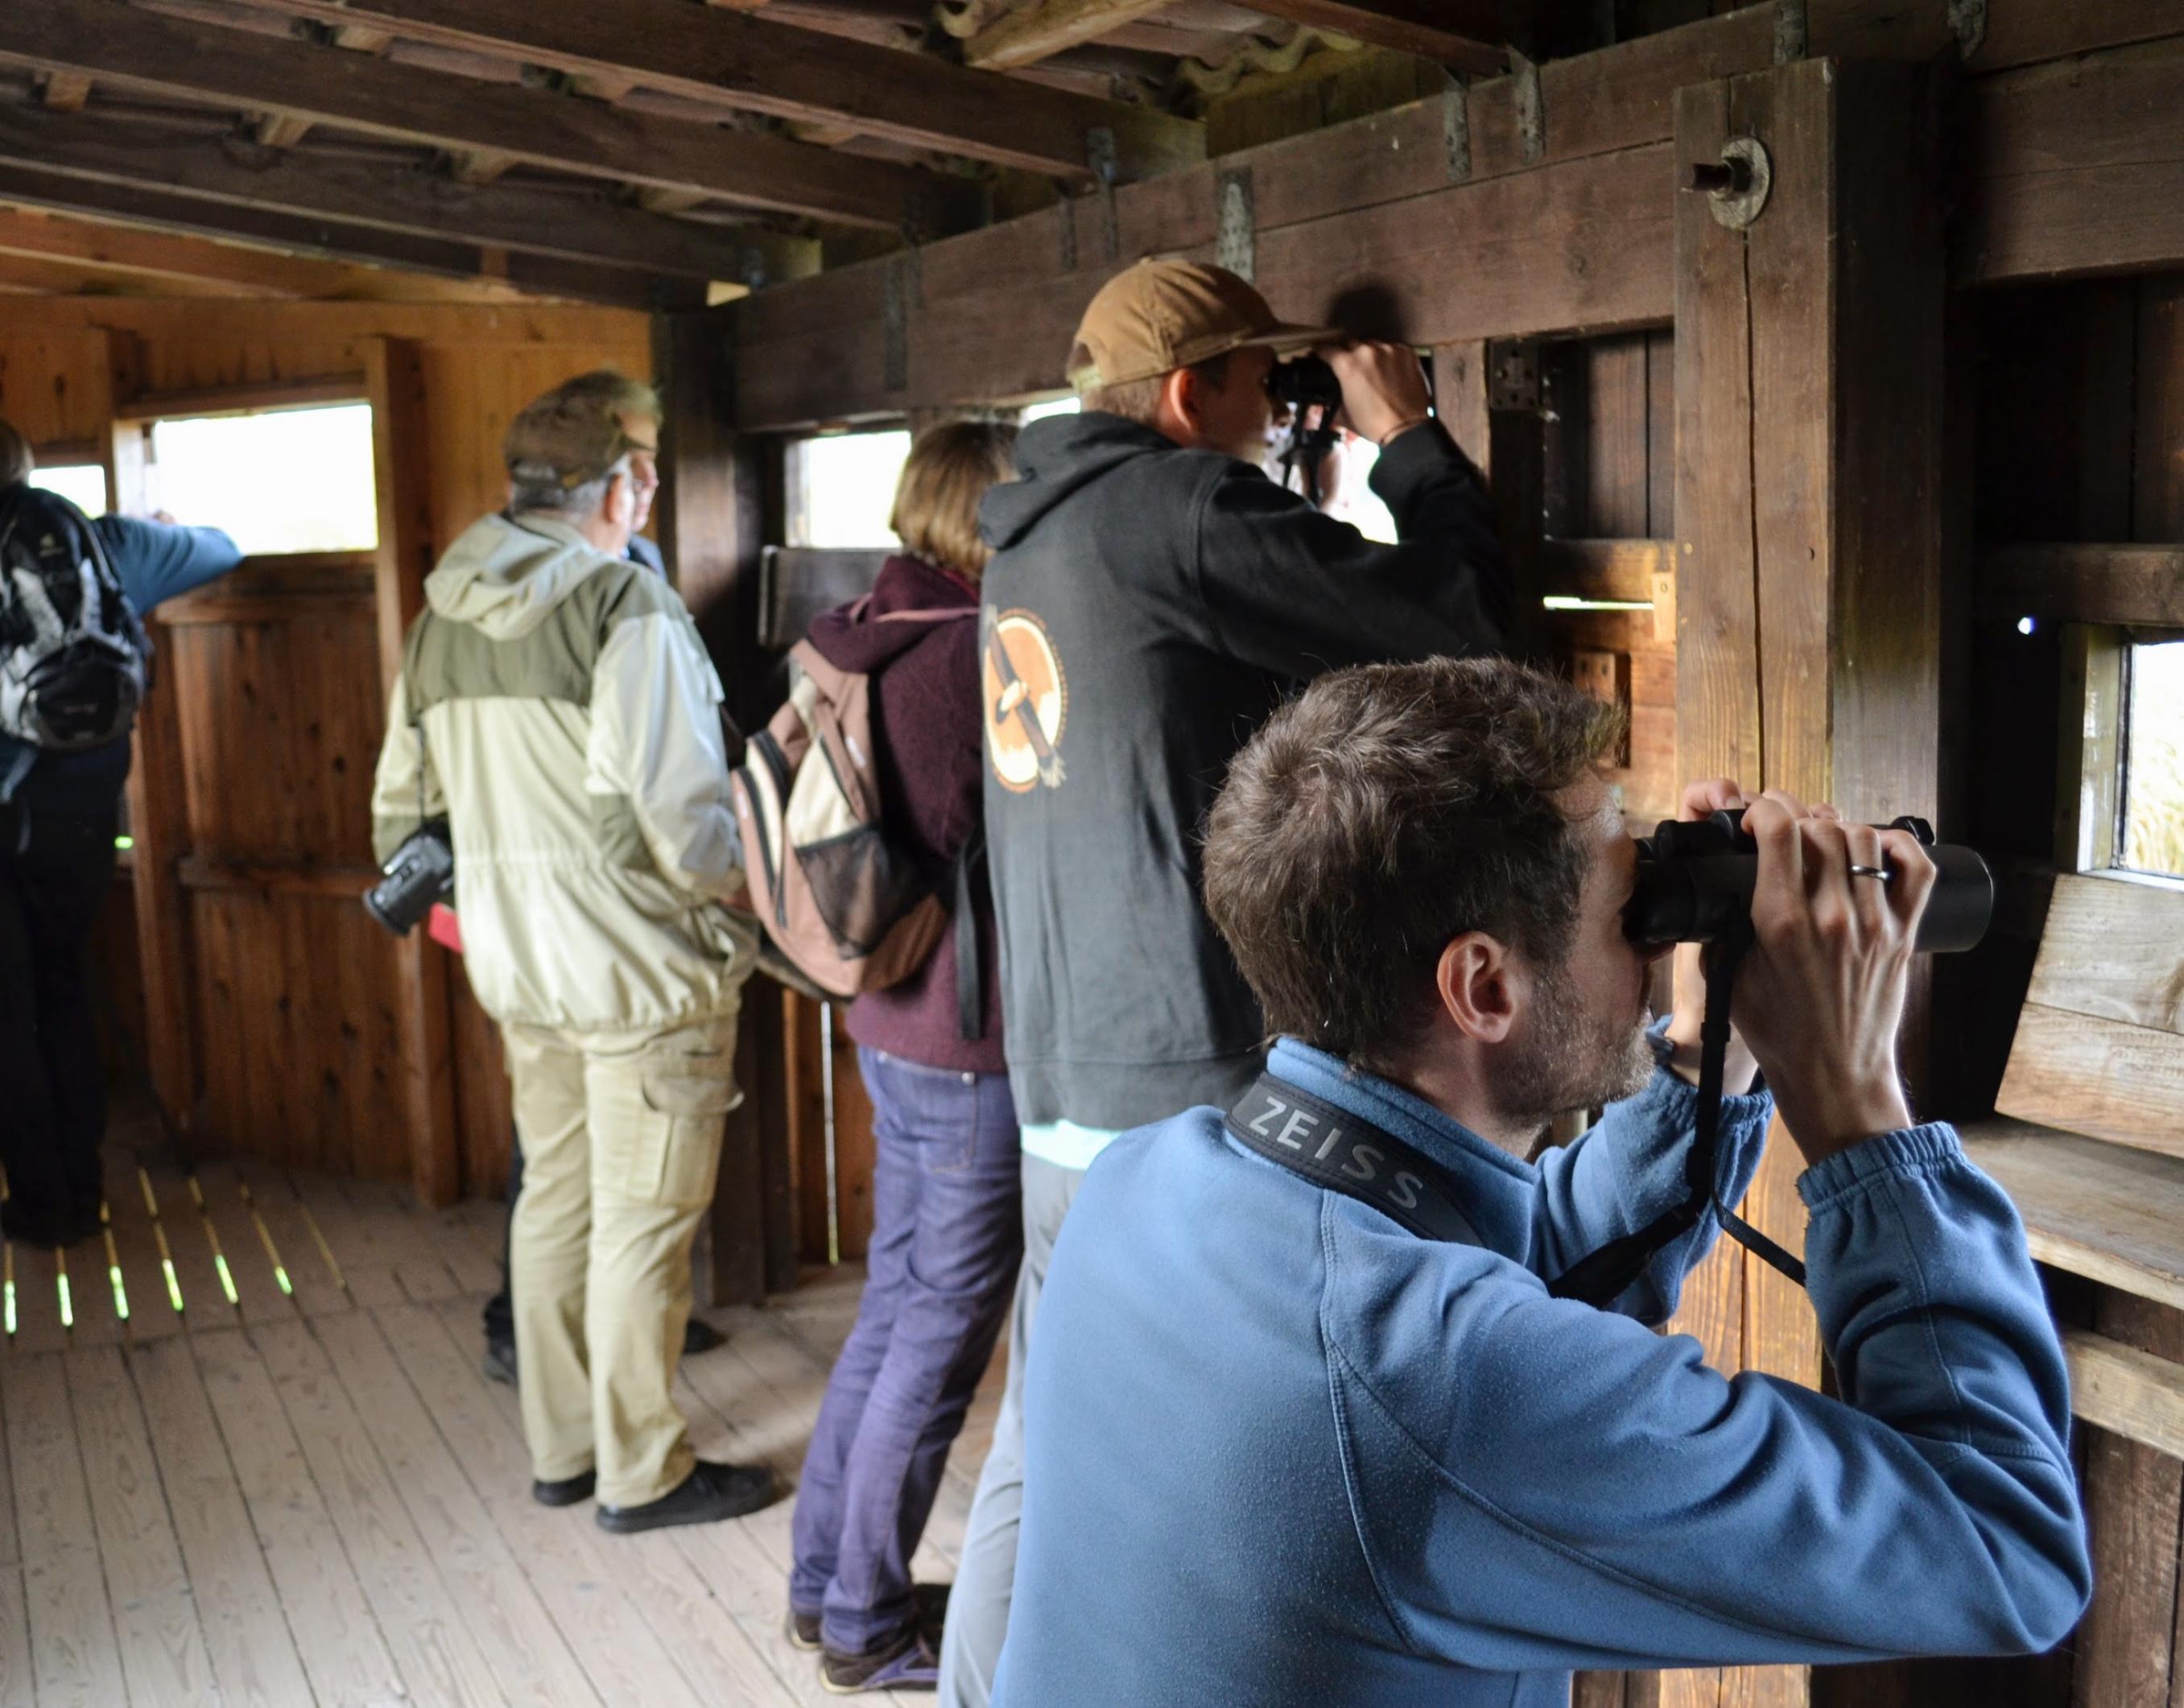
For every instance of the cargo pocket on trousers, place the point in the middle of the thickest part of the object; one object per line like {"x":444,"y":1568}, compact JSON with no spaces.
{"x":685,"y":1115}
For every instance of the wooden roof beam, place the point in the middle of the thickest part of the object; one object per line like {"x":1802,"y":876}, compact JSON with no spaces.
{"x":1462,"y":35}
{"x":1041,"y":31}
{"x":158,"y":209}
{"x":140,"y":252}
{"x":132,"y":49}
{"x":209,"y":184}
{"x":730,"y":58}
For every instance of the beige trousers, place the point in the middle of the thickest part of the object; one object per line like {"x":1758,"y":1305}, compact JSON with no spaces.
{"x":621,"y":1143}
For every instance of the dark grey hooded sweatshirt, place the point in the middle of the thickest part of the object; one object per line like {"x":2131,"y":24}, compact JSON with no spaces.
{"x":1154,"y":605}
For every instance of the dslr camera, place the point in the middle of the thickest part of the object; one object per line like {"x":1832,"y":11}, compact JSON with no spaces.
{"x":421,"y":872}
{"x":1695,"y":879}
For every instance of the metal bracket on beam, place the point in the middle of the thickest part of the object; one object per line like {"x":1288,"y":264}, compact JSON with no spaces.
{"x":1235,"y":230}
{"x":1513,"y":374}
{"x":1968,"y":18}
{"x":1531,"y":109}
{"x":1735,"y":186}
{"x":899,"y":293}
{"x":1455,"y":128}
{"x":1791,"y":31}
{"x":1100,"y":155}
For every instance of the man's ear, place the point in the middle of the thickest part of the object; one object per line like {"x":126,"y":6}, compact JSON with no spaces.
{"x":620,"y":505}
{"x":1477,"y":987}
{"x":1181,"y":412}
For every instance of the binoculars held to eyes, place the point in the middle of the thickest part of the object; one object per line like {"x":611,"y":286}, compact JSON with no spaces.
{"x":1302,"y":381}
{"x":1695,"y":879}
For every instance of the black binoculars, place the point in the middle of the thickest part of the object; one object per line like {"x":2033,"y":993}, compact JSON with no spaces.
{"x":1302,"y":381}
{"x":1695,"y":879}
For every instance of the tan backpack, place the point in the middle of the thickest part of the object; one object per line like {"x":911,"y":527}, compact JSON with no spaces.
{"x":844,"y":902}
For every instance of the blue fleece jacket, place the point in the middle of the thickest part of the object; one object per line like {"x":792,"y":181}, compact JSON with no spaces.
{"x":1281,"y":1452}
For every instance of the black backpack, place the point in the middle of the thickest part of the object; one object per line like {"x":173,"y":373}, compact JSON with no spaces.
{"x":73,"y":657}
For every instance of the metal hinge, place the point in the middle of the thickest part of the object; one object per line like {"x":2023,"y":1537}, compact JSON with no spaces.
{"x":1100,"y":155}
{"x":1791,"y":31}
{"x":1235,"y":232}
{"x":899,"y":292}
{"x":1531,"y":109}
{"x":1455,"y":128}
{"x":1513,"y":374}
{"x":1968,"y":18}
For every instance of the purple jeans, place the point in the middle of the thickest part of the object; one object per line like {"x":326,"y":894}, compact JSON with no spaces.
{"x":947,"y":1236}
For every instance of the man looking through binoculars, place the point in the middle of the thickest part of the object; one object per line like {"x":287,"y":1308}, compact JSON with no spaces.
{"x":1323,"y":1423}
{"x":1152,"y":598}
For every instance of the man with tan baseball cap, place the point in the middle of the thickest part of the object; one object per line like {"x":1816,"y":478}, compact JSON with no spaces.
{"x":1151,"y":599}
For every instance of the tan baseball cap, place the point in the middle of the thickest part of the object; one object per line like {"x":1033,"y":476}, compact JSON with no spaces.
{"x":1158,"y":316}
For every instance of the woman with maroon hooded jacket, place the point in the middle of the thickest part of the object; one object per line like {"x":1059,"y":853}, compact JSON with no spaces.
{"x":948,"y":1231}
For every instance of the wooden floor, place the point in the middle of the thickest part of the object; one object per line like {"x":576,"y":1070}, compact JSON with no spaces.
{"x":247,"y":1456}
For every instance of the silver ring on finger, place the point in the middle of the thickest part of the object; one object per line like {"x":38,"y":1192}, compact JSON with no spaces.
{"x":1880,"y":872}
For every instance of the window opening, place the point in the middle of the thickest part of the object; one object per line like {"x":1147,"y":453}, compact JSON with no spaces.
{"x":2154,"y":759}
{"x":841,"y":489}
{"x":278,"y":481}
{"x":82,"y":484}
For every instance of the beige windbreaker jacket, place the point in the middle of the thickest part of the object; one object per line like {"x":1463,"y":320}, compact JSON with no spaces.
{"x":557,"y":707}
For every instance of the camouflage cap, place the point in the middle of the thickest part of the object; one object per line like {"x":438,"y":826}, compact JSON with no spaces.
{"x":1158,"y":316}
{"x":575,"y":433}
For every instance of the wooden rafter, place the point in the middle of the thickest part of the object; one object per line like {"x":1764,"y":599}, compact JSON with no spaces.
{"x":138,"y":254}
{"x":1040,"y":32}
{"x":183,"y":164}
{"x":156,"y":206}
{"x":131,"y":49}
{"x":1462,"y":37}
{"x":751,"y":63}
{"x":36,"y":275}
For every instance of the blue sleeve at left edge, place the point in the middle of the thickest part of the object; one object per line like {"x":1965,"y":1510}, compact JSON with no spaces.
{"x":156,"y":561}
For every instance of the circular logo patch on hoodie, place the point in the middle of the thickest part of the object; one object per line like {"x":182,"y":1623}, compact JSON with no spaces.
{"x":1026,"y":698}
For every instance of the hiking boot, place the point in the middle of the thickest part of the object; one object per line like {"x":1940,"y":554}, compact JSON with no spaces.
{"x":709,"y":1493}
{"x":909,"y":1663}
{"x":567,"y":1491}
{"x":802,"y":1629}
{"x":500,"y":1362}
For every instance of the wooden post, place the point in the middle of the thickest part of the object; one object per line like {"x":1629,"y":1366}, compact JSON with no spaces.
{"x":1809,"y":392}
{"x":394,"y":382}
{"x":158,"y":808}
{"x":710,"y":519}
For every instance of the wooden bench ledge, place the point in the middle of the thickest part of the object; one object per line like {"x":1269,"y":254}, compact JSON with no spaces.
{"x":2105,"y":1211}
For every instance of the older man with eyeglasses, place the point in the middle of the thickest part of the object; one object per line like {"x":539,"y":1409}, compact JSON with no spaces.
{"x":557,"y":708}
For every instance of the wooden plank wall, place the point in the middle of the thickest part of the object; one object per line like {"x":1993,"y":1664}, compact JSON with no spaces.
{"x":303,"y":1047}
{"x":2080,"y":418}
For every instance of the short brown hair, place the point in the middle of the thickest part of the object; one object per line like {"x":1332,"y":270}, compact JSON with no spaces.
{"x":1390,"y":809}
{"x":936,"y":502}
{"x":1139,"y":400}
{"x":561,"y":446}
{"x":18,"y":462}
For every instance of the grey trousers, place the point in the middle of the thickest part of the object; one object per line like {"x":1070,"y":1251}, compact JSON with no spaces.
{"x":985,"y":1575}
